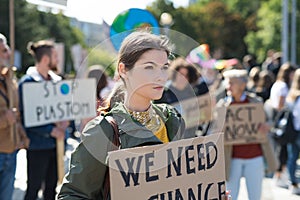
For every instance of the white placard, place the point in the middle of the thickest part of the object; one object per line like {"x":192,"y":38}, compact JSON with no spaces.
{"x":46,"y":102}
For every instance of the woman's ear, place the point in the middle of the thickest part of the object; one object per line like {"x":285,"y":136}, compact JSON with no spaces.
{"x":122,"y":70}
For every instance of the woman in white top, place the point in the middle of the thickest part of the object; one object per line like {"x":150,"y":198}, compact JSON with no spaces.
{"x":278,"y":95}
{"x":294,"y":148}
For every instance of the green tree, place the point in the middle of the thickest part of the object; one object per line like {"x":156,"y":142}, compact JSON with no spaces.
{"x":60,"y":30}
{"x":26,"y":26}
{"x":33,"y":25}
{"x":160,"y":6}
{"x":99,"y":56}
{"x":268,"y":35}
{"x":211,"y":23}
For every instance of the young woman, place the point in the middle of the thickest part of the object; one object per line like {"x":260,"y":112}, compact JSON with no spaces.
{"x":186,"y":82}
{"x":293,"y":101}
{"x":279,"y":91}
{"x":142,"y":66}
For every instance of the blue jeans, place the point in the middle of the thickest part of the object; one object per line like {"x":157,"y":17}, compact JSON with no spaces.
{"x":7,"y":174}
{"x":253,"y":171}
{"x":293,"y":154}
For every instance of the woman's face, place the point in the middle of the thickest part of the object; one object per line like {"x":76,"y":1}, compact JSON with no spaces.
{"x":235,"y":87}
{"x":182,"y":78}
{"x":291,"y":76}
{"x":146,"y":80}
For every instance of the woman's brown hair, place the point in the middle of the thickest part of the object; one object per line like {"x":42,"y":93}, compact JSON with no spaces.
{"x":284,"y":73}
{"x":295,"y":88}
{"x":178,"y":63}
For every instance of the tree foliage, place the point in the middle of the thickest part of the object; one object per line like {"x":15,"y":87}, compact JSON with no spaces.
{"x":211,"y":23}
{"x":34,"y":25}
{"x":233,"y":26}
{"x":99,"y":56}
{"x":268,"y":35}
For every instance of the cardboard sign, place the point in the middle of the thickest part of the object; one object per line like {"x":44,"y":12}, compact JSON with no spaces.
{"x":46,"y":102}
{"x":242,"y":122}
{"x":185,"y":169}
{"x":195,"y":110}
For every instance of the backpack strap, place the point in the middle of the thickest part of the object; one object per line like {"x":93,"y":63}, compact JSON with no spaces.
{"x":116,"y":142}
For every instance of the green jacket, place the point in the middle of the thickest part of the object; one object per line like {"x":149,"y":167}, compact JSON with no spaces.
{"x":88,"y":162}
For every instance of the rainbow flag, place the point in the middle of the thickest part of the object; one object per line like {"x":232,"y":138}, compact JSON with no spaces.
{"x":201,"y":56}
{"x":200,"y":53}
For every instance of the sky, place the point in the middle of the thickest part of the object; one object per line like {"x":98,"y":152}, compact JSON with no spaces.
{"x":95,"y":11}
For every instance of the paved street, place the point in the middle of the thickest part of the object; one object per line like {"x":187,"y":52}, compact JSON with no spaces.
{"x":270,"y":191}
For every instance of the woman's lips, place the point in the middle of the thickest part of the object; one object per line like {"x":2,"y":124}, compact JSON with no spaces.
{"x":159,"y":88}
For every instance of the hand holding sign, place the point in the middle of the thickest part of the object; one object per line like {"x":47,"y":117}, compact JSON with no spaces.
{"x":58,"y":133}
{"x":62,"y":125}
{"x":264,"y":128}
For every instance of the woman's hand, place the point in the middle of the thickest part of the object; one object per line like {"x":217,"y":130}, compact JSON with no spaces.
{"x":264,"y":128}
{"x":58,"y":133}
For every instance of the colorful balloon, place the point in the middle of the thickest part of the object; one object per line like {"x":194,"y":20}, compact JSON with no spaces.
{"x":130,"y":20}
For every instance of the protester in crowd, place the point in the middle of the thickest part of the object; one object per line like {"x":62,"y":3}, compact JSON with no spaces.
{"x":142,"y":66}
{"x":264,"y":85}
{"x":279,"y":91}
{"x":275,"y":63}
{"x":245,"y":160}
{"x":12,"y":135}
{"x":103,"y":83}
{"x":249,"y":61}
{"x":41,"y":154}
{"x":253,"y":78}
{"x":102,"y":88}
{"x":268,"y":60}
{"x":185,"y":83}
{"x":293,"y":101}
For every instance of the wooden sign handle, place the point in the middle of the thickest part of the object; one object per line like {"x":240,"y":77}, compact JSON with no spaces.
{"x":60,"y":149}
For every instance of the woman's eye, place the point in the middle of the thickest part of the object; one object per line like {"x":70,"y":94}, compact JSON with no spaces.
{"x":149,"y":67}
{"x":165,"y":67}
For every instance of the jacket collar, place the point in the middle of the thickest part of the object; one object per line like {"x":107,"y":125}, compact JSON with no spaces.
{"x":132,"y":133}
{"x":32,"y":71}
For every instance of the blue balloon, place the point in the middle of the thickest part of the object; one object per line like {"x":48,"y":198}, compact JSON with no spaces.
{"x":130,"y":20}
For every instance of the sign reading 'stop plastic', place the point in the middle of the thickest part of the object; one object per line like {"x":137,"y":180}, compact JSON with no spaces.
{"x":47,"y":102}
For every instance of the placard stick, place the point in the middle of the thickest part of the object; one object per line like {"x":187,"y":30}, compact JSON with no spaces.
{"x":10,"y":70}
{"x":60,"y":151}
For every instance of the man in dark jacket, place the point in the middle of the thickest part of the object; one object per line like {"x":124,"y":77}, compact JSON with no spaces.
{"x":41,"y":155}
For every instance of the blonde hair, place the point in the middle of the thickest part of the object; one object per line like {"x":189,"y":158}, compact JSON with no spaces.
{"x":294,"y":91}
{"x":284,"y":72}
